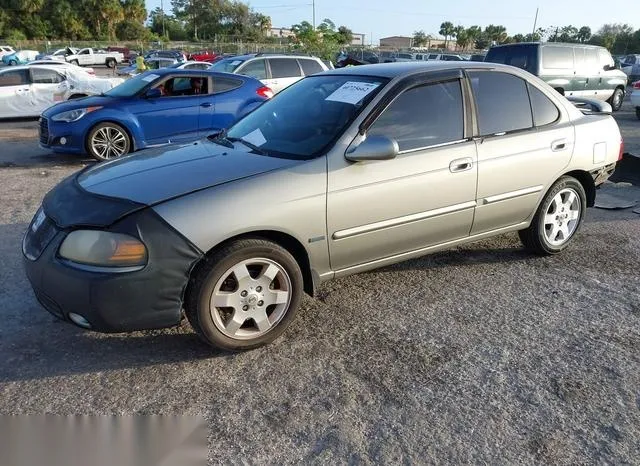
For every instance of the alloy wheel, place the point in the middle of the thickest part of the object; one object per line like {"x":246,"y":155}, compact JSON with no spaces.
{"x":250,"y":298}
{"x":562,"y":217}
{"x":109,"y":142}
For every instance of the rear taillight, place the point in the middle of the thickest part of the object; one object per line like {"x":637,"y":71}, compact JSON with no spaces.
{"x":636,"y":85}
{"x":265,"y":92}
{"x":621,"y":149}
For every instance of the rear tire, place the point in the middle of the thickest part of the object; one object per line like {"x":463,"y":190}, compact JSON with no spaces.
{"x":557,"y":219}
{"x":75,"y":62}
{"x":249,"y":308}
{"x":13,"y":63}
{"x":110,"y":62}
{"x":616,"y":99}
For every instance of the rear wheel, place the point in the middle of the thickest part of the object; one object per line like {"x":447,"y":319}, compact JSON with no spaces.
{"x":616,"y":99}
{"x":75,"y":62}
{"x":13,"y":63}
{"x":245,"y":295}
{"x":110,"y":62}
{"x":558,"y":218}
{"x":108,"y":141}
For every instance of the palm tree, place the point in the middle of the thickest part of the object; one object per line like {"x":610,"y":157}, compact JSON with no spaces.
{"x":446,"y":29}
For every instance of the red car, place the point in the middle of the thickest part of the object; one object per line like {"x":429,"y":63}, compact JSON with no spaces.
{"x":203,"y":55}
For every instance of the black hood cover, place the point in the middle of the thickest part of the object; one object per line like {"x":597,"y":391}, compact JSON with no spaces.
{"x":69,"y":205}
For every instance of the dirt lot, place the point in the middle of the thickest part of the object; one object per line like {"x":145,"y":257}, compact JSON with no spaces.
{"x":480,"y":354}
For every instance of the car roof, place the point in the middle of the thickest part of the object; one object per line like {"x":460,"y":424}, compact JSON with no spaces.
{"x":220,"y":74}
{"x":393,"y":70}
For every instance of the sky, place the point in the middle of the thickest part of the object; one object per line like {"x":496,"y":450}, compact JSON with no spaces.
{"x":382,"y":18}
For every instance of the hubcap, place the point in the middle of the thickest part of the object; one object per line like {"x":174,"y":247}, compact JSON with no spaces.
{"x":561,"y":219}
{"x":109,"y":142}
{"x":250,"y":298}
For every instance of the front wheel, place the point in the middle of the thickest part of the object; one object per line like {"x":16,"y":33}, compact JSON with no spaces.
{"x":13,"y":63}
{"x":108,"y":141}
{"x":557,"y":219}
{"x":245,"y":295}
{"x":616,"y":99}
{"x":75,"y":62}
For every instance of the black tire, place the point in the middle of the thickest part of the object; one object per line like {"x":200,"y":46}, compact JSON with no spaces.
{"x":616,"y":99}
{"x":205,"y":278}
{"x":638,"y":112}
{"x":13,"y":63}
{"x":110,"y":62}
{"x":534,"y":237}
{"x":88,"y":143}
{"x":75,"y":62}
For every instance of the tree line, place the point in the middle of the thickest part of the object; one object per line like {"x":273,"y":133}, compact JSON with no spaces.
{"x":618,"y":38}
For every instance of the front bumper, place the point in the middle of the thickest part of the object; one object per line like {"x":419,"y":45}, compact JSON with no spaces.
{"x":65,"y":138}
{"x":149,"y":298}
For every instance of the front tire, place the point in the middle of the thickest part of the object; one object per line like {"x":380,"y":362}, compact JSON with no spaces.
{"x":557,"y":219}
{"x":616,"y":99}
{"x":245,"y":295}
{"x":108,"y":141}
{"x":13,"y":63}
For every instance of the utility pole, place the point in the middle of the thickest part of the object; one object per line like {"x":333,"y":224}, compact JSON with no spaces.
{"x":164,"y":30}
{"x":535,"y":23}
{"x":314,"y":14}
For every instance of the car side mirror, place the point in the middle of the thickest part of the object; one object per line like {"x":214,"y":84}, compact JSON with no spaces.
{"x":374,"y":148}
{"x":609,"y":68}
{"x":153,"y":93}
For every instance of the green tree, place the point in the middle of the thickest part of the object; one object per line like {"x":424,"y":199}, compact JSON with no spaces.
{"x":419,"y":39}
{"x":584,"y":34}
{"x":446,"y":30}
{"x":496,"y":34}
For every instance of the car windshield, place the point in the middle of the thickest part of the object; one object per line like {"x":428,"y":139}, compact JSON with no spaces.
{"x":132,"y":86}
{"x":228,"y":65}
{"x":303,"y":120}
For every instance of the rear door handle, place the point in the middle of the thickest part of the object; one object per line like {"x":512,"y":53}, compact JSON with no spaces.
{"x":560,"y":144}
{"x":206,"y":104}
{"x":461,"y":165}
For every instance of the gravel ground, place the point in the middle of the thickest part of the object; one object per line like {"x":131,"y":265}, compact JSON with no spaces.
{"x":480,"y":354}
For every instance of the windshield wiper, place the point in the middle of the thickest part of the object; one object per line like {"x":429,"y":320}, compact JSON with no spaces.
{"x":250,"y":145}
{"x":221,"y":138}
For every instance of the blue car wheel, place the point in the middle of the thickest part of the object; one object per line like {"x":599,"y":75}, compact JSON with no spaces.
{"x":13,"y":63}
{"x":107,"y":141}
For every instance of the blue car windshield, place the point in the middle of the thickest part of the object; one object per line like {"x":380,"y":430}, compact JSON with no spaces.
{"x":305,"y":119}
{"x":228,"y":65}
{"x":132,"y":86}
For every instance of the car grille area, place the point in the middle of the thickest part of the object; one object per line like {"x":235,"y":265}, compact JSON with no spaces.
{"x":44,"y":131}
{"x":38,"y":236}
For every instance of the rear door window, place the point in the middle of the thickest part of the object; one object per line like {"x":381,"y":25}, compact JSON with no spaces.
{"x":557,"y":58}
{"x":502,"y":101}
{"x":284,"y":68}
{"x":44,"y":76}
{"x":310,"y":66}
{"x":544,"y":110}
{"x":423,"y":116}
{"x":255,"y":69}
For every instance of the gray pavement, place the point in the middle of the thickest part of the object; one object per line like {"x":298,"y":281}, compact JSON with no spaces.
{"x":480,"y":354}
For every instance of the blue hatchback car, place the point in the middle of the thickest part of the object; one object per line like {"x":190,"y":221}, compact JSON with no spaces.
{"x":153,"y":108}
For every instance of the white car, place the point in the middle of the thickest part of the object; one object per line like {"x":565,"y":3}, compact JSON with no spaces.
{"x":26,"y":91}
{"x":6,"y":50}
{"x":635,"y":98}
{"x":62,"y":64}
{"x":89,"y":56}
{"x":59,"y":54}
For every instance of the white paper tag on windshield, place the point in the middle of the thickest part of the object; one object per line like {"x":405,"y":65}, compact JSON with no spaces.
{"x":352,"y":92}
{"x":151,"y":77}
{"x":236,"y":62}
{"x":255,"y":137}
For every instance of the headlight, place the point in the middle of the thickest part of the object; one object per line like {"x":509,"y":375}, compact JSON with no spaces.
{"x":74,"y":115}
{"x":103,"y":249}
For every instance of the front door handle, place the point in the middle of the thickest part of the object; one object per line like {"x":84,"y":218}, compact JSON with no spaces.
{"x":461,"y":165}
{"x":206,"y":104}
{"x":560,"y":144}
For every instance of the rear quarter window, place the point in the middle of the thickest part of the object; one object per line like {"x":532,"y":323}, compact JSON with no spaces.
{"x":544,"y":110}
{"x":221,"y":85}
{"x":310,"y":67}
